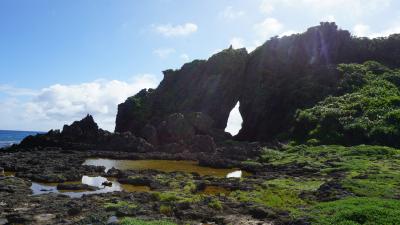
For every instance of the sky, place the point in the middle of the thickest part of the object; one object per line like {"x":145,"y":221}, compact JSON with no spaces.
{"x":60,"y":60}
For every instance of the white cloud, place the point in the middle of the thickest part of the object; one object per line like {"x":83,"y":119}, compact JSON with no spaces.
{"x":234,"y":121}
{"x":169,"y":30}
{"x":288,"y":33}
{"x":328,"y":18}
{"x":164,"y":52}
{"x":355,"y":8}
{"x":185,"y":57}
{"x":363,"y":30}
{"x":237,"y":42}
{"x":53,"y":106}
{"x":231,"y":14}
{"x":391,"y":30}
{"x":267,"y":6}
{"x":15,"y":91}
{"x":215,"y":51}
{"x":268,"y":28}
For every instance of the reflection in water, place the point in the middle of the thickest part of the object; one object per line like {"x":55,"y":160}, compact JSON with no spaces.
{"x":38,"y":188}
{"x":9,"y":174}
{"x":94,"y":181}
{"x":165,"y":166}
{"x":43,"y":189}
{"x":235,"y":174}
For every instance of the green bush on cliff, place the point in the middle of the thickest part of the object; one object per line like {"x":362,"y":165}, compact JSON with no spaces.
{"x":367,"y":112}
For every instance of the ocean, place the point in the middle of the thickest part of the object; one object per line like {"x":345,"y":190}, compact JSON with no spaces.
{"x":9,"y":137}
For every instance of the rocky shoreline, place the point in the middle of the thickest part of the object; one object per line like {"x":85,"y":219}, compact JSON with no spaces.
{"x":49,"y":163}
{"x":59,"y":166}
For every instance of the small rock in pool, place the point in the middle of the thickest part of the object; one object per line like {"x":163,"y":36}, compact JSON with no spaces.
{"x":107,"y":183}
{"x":45,"y":190}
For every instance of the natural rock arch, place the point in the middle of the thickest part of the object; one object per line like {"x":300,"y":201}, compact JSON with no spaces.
{"x":235,"y":120}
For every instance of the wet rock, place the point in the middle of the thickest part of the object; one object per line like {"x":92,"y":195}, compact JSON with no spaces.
{"x":262,"y":213}
{"x":113,"y":172}
{"x":44,"y":218}
{"x":73,"y":208}
{"x":3,"y":221}
{"x":15,"y":185}
{"x":17,"y":218}
{"x":172,"y":148}
{"x":107,"y":183}
{"x":76,"y":187}
{"x":139,"y":181}
{"x":332,"y":190}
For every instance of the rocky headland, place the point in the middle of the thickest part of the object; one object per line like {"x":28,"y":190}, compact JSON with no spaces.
{"x":318,"y":144}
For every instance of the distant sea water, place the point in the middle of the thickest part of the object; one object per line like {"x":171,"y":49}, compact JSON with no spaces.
{"x":10,"y":137}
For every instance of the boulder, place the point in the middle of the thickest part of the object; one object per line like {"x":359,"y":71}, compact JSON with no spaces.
{"x":201,"y":122}
{"x":172,"y":148}
{"x":149,"y":133}
{"x":175,"y":129}
{"x":203,"y":143}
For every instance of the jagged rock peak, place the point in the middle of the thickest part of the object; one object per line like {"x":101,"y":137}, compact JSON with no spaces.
{"x":84,"y":126}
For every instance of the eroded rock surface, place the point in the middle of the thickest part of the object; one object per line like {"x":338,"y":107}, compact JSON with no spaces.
{"x":270,"y":83}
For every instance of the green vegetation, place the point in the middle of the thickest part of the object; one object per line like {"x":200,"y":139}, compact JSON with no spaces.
{"x":215,"y":204}
{"x":294,"y":185}
{"x":366,"y":112}
{"x":180,"y":197}
{"x":369,"y":171}
{"x":353,"y":211}
{"x":121,"y":204}
{"x":133,"y":221}
{"x":166,"y":210}
{"x":275,"y":198}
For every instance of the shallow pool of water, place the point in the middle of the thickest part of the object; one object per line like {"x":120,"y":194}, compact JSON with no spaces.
{"x":214,"y":190}
{"x":43,"y":188}
{"x":9,"y":173}
{"x":165,"y":166}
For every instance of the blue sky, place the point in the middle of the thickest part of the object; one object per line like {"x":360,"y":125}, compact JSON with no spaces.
{"x":62,"y":59}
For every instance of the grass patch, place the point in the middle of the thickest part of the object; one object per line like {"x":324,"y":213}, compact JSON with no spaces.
{"x":118,"y":205}
{"x":369,"y":171}
{"x":172,"y":196}
{"x":275,"y":198}
{"x":215,"y":204}
{"x":295,"y":185}
{"x":354,"y":211}
{"x":166,"y":210}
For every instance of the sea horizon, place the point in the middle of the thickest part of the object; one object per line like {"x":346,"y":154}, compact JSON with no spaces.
{"x":10,"y":137}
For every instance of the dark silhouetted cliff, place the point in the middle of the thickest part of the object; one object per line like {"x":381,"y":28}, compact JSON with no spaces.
{"x":271,"y":83}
